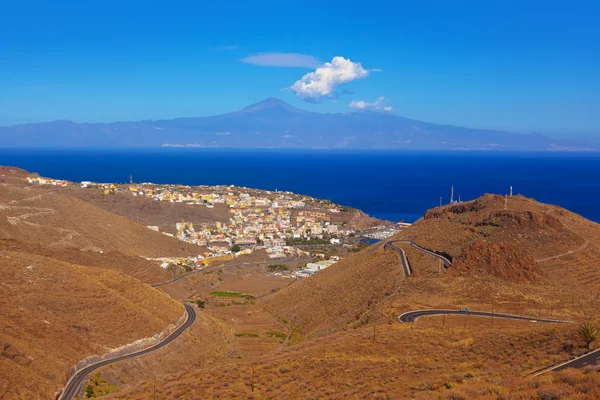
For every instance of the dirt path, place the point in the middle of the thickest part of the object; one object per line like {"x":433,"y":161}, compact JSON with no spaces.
{"x":583,"y":246}
{"x":580,"y":248}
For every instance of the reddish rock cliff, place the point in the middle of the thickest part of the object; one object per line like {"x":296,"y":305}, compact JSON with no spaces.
{"x":498,"y":259}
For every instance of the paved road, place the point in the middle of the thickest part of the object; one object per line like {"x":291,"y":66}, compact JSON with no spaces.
{"x":402,"y":254}
{"x":446,"y":261}
{"x":76,"y":382}
{"x":176,"y":279}
{"x":592,"y":358}
{"x":411,"y":316}
{"x":221,"y":266}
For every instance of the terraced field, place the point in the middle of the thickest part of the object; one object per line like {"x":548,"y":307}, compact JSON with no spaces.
{"x":256,"y":331}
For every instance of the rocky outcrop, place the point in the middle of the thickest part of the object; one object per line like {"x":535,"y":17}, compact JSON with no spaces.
{"x":461,"y":208}
{"x":520,"y":218}
{"x":498,"y":259}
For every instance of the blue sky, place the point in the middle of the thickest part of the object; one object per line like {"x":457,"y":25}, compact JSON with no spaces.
{"x":516,"y":65}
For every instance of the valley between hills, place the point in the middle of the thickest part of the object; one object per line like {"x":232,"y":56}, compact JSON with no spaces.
{"x":81,"y":269}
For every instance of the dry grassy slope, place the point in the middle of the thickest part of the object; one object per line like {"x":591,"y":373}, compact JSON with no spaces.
{"x":151,"y":212}
{"x":9,"y":174}
{"x":205,"y":343}
{"x":146,"y":271}
{"x":503,"y":238}
{"x":531,"y":258}
{"x":497,"y":268}
{"x":433,"y":361}
{"x":48,"y":217}
{"x":53,"y":314}
{"x":347,"y":293}
{"x":402,"y":363}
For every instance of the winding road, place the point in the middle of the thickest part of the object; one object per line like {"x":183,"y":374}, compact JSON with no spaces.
{"x":592,"y":358}
{"x":445,"y":260}
{"x":176,"y":279}
{"x":412,"y":316}
{"x":217,"y":267}
{"x":76,"y":381}
{"x":402,"y":255}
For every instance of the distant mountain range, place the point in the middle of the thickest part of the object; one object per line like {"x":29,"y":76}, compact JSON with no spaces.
{"x":275,"y":123}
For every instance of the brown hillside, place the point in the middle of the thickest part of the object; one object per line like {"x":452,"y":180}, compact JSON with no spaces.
{"x":426,"y":362}
{"x":150,"y":212}
{"x":532,"y":227}
{"x":9,"y":174}
{"x":54,"y":314}
{"x":348,"y":293}
{"x":48,"y":217}
{"x":70,"y":289}
{"x":499,"y":257}
{"x":137,"y":267}
{"x":528,"y":259}
{"x":345,"y":342}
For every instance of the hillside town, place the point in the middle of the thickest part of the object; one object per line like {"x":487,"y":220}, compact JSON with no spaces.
{"x":283,"y":224}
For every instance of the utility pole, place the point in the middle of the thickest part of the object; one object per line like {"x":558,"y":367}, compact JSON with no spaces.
{"x":511,"y":191}
{"x":452,"y":194}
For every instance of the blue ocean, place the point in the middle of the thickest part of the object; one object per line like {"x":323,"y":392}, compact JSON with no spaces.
{"x":393,"y":185}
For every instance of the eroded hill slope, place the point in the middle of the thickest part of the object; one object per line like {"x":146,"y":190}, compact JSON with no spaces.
{"x":48,"y":217}
{"x":55,"y":314}
{"x":74,"y":285}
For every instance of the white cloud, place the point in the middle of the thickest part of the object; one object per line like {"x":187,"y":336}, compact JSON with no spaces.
{"x":364,"y":105}
{"x":223,"y":133}
{"x":282,"y":60}
{"x":326,"y":78}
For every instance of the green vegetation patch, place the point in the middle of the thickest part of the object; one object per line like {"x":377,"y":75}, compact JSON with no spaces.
{"x":99,"y":387}
{"x":233,"y":294}
{"x":279,"y":335}
{"x":246,"y":334}
{"x":296,"y":335}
